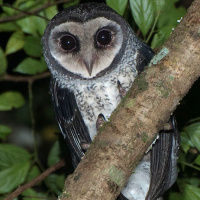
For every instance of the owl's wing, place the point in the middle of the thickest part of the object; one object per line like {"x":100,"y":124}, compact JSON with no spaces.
{"x":163,"y":165}
{"x":164,"y":156}
{"x":144,"y":55}
{"x":69,"y":120}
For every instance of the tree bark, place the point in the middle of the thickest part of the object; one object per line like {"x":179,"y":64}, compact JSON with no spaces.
{"x":121,"y":142}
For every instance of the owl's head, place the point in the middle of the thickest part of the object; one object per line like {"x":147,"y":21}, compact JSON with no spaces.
{"x":85,"y":40}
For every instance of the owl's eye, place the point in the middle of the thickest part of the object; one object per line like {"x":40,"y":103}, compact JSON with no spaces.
{"x":103,"y":38}
{"x":68,"y":42}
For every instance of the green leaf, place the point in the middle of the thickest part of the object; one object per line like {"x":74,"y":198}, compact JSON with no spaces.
{"x":34,"y":172}
{"x":3,"y":62}
{"x":159,"y":4}
{"x":32,"y":25}
{"x":185,"y":142}
{"x":118,"y":5}
{"x":50,"y":12}
{"x":182,"y":160}
{"x":30,"y":66}
{"x":13,"y":176}
{"x":160,"y":37}
{"x":11,"y":154}
{"x":71,"y":3}
{"x":191,"y":181}
{"x":54,"y":154}
{"x":25,"y":5}
{"x":15,"y":42}
{"x":60,"y":181}
{"x":175,"y":196}
{"x":32,"y":46}
{"x":197,"y":160}
{"x":55,"y":179}
{"x":170,"y":14}
{"x":193,"y":132}
{"x":32,"y":193}
{"x":143,"y":13}
{"x":8,"y":10}
{"x":191,"y":192}
{"x":41,"y":24}
{"x":4,"y":132}
{"x":10,"y":100}
{"x":7,"y":26}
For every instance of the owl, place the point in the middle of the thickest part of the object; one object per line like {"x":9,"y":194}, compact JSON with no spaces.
{"x":94,"y":57}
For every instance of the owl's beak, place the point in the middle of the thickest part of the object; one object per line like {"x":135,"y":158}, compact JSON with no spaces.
{"x":88,"y":66}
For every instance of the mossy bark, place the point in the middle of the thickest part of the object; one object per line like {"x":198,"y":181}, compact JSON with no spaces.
{"x":155,"y":94}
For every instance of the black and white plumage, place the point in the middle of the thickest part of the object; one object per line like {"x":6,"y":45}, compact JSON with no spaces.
{"x":94,"y":57}
{"x":157,"y":171}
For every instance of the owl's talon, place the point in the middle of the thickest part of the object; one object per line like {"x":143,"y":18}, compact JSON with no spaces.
{"x":100,"y":121}
{"x":85,"y":146}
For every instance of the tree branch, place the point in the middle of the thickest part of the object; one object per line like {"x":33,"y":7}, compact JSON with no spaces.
{"x":22,"y":12}
{"x":155,"y":94}
{"x":33,"y":12}
{"x":36,"y":180}
{"x":33,"y":78}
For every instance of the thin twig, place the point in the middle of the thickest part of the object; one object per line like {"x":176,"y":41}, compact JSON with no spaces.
{"x":13,"y":78}
{"x":30,"y":92}
{"x":22,"y":11}
{"x":189,"y":165}
{"x":153,"y":27}
{"x":33,"y":12}
{"x":36,"y":180}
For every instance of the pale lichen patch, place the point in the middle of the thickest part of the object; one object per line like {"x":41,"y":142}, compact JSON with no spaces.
{"x":163,"y":89}
{"x":157,"y":58}
{"x":130,"y":103}
{"x":144,"y":137}
{"x":116,"y":175}
{"x":141,"y":83}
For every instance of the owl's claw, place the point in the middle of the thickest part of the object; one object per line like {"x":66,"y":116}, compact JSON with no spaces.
{"x":84,"y":145}
{"x":100,"y":121}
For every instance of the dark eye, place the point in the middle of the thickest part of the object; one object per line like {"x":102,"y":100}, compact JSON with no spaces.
{"x":103,"y":37}
{"x":68,"y":42}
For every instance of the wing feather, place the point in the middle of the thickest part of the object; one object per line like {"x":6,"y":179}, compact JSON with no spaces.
{"x":164,"y":156}
{"x":144,"y":56}
{"x":70,"y":120}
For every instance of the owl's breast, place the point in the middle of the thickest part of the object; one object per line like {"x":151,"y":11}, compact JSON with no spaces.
{"x":98,"y":98}
{"x":101,"y":96}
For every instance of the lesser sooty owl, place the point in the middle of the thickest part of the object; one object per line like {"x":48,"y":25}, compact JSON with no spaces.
{"x":94,"y":57}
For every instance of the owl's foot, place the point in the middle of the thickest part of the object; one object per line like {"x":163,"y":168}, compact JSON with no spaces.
{"x":85,"y":145}
{"x":122,"y":91}
{"x":100,"y":121}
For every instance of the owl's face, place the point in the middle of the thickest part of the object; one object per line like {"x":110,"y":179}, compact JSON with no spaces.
{"x":86,"y":48}
{"x":85,"y":41}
